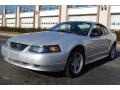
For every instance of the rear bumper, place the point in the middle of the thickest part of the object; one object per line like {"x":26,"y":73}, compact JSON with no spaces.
{"x":34,"y":61}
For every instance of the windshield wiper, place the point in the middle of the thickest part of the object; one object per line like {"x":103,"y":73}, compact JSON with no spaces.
{"x":64,"y":31}
{"x":61,"y":31}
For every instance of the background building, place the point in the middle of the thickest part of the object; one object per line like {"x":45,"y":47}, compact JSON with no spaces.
{"x":28,"y":16}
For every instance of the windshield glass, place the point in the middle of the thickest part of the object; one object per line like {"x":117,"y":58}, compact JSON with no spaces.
{"x":80,"y":28}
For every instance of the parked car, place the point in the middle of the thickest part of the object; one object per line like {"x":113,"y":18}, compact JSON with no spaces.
{"x":68,"y":47}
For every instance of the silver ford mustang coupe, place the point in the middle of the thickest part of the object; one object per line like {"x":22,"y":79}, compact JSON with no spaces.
{"x":68,"y":47}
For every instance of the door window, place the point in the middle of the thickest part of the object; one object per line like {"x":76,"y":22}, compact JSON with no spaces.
{"x":96,"y":31}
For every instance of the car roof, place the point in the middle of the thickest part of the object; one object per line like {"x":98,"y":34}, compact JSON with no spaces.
{"x":82,"y":22}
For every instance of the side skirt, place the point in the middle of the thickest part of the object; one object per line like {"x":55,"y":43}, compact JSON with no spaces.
{"x":91,"y":61}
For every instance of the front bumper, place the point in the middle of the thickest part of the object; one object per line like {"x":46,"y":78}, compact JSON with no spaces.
{"x":35,"y":61}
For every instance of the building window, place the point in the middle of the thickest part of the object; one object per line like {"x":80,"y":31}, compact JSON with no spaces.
{"x":49,"y":7}
{"x":10,"y":9}
{"x":26,"y":8}
{"x":1,"y":9}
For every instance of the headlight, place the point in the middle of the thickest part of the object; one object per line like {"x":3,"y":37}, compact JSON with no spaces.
{"x":45,"y":49}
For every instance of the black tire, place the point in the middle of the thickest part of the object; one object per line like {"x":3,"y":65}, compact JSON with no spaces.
{"x":112,"y":53}
{"x":71,"y":60}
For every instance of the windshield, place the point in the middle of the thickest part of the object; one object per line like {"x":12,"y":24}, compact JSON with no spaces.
{"x":80,"y":28}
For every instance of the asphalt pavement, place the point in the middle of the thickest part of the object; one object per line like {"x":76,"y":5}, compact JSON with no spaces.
{"x":102,"y":72}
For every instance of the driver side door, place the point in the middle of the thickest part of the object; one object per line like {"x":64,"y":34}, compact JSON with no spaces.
{"x":96,"y":45}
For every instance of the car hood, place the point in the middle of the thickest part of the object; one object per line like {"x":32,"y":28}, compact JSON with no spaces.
{"x":40,"y":38}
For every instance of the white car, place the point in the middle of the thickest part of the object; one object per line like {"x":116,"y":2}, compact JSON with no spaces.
{"x":68,"y":46}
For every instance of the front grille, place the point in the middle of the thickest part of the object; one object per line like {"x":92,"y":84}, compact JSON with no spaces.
{"x":18,"y":46}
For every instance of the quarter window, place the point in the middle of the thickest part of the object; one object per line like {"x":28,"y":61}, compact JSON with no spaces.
{"x":105,"y":30}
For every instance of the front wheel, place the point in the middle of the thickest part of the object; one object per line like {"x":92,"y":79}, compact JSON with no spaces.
{"x":75,"y":63}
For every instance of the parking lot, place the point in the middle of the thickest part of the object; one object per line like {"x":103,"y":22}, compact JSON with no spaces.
{"x":99,"y":73}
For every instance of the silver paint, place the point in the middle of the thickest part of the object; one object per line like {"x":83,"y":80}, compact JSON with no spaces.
{"x":95,"y":48}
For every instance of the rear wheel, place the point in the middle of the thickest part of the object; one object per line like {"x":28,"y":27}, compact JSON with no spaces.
{"x":75,"y":63}
{"x":112,"y":53}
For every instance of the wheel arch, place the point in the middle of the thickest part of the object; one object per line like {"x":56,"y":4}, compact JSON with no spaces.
{"x":75,"y":47}
{"x":113,"y":43}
